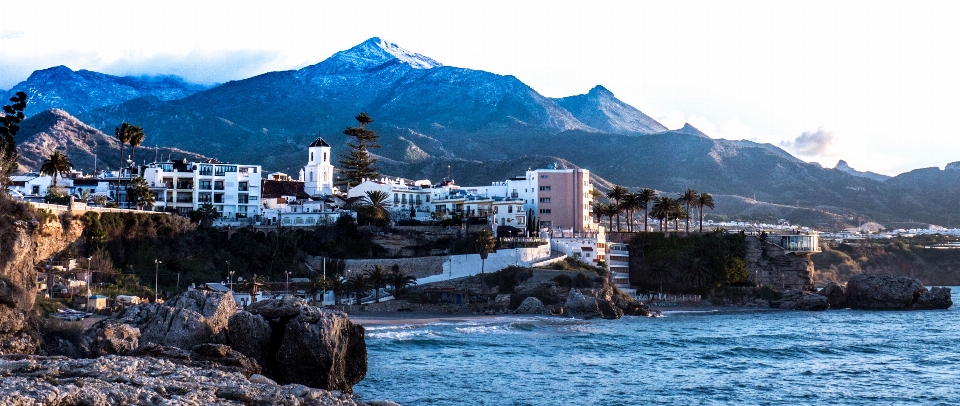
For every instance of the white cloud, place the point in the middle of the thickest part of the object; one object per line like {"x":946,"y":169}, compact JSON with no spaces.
{"x":11,"y":34}
{"x":199,"y":66}
{"x":819,"y":143}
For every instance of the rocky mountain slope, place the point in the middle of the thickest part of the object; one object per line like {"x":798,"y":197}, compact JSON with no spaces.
{"x":83,"y":90}
{"x":56,"y":130}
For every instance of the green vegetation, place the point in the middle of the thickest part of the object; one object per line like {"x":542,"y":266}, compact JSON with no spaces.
{"x":507,"y":279}
{"x":692,"y":263}
{"x":138,"y":193}
{"x":358,"y":163}
{"x":9,"y":127}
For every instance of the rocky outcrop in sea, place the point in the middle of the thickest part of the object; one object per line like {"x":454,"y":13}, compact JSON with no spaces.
{"x":880,"y":292}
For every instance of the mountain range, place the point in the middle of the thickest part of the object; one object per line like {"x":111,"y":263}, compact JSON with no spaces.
{"x":477,"y":126}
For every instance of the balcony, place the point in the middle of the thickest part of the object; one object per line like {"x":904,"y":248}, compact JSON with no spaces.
{"x":184,"y":199}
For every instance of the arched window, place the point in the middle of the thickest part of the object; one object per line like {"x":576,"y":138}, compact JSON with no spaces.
{"x":311,"y":176}
{"x":311,"y":156}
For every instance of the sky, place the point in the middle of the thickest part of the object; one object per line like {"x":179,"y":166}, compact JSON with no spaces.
{"x":873,"y":83}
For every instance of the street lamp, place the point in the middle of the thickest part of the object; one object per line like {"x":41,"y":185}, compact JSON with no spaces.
{"x":287,"y":273}
{"x":156,"y":279}
{"x":230,"y":276}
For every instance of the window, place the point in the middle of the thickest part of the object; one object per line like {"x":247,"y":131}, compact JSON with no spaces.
{"x":204,"y":185}
{"x":543,"y":176}
{"x":243,"y":186}
{"x":184,"y":183}
{"x":218,"y":185}
{"x":544,"y":211}
{"x":311,"y":156}
{"x":544,"y":200}
{"x":36,"y":190}
{"x":544,"y":188}
{"x":242,"y":199}
{"x":324,"y":157}
{"x":509,"y":209}
{"x":546,"y":224}
{"x":206,"y":170}
{"x":218,"y":198}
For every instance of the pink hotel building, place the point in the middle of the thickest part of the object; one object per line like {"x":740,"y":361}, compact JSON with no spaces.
{"x":564,"y":199}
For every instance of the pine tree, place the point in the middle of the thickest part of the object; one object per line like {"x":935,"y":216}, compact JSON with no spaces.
{"x":358,"y":164}
{"x":9,"y":126}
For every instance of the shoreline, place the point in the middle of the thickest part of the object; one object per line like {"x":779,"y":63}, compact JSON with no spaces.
{"x":392,"y":318}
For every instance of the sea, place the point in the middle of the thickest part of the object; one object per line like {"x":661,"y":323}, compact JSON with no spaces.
{"x":722,"y":357}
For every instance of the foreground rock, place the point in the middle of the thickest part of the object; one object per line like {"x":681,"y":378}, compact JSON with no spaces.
{"x":589,"y":307}
{"x":115,"y":380}
{"x":876,"y":292}
{"x":531,"y":305}
{"x":297,"y":343}
{"x":802,"y":300}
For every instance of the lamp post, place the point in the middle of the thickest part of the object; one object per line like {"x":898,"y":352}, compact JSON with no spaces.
{"x":88,"y":275}
{"x":287,"y":273}
{"x":229,"y":276}
{"x":156,"y":279}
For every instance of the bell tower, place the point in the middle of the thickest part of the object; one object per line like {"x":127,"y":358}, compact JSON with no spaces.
{"x":318,"y":174}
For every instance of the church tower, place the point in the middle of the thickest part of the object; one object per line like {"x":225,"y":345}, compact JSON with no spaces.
{"x":318,"y":174}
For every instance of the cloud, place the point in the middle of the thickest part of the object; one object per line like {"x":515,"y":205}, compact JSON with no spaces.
{"x":729,"y":129}
{"x":813,"y":143}
{"x":11,"y":34}
{"x":199,"y":66}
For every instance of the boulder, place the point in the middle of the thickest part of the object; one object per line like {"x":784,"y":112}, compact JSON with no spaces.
{"x":835,"y":295}
{"x":876,"y":292}
{"x":609,"y":310}
{"x":581,"y":306}
{"x":287,"y":306}
{"x":11,"y":320}
{"x":215,"y":307}
{"x":531,"y":305}
{"x":168,"y":326}
{"x":802,"y":300}
{"x":110,"y":336}
{"x":250,"y":334}
{"x":637,"y":308}
{"x":322,"y":349}
{"x":935,"y":298}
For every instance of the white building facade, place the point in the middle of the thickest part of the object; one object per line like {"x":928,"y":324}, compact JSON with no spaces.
{"x":181,"y":186}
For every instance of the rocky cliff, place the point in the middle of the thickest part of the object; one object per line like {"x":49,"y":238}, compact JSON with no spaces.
{"x":30,"y":243}
{"x":772,"y":266}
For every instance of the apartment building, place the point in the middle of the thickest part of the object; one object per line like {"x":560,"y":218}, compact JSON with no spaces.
{"x":181,"y":186}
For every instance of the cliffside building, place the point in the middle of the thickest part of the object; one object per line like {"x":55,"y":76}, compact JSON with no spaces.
{"x":181,"y":186}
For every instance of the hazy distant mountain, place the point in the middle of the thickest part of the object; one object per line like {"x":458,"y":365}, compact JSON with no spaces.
{"x":56,"y":130}
{"x":843,"y":166}
{"x":601,"y":110}
{"x":83,"y":90}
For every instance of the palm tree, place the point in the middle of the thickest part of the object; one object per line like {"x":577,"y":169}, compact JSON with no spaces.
{"x":400,"y":281}
{"x":665,"y":208}
{"x":704,"y":200}
{"x":358,"y":283}
{"x":697,"y":273}
{"x":55,"y":166}
{"x":123,"y":133}
{"x":378,"y":201}
{"x":138,"y":193}
{"x":337,"y":284}
{"x":205,"y":214}
{"x":630,"y":202}
{"x":136,"y":138}
{"x":609,"y":210}
{"x":253,"y":285}
{"x":486,"y":243}
{"x":616,"y":194}
{"x":645,"y":196}
{"x":317,"y":285}
{"x":689,"y":198}
{"x":378,"y":279}
{"x":598,"y":210}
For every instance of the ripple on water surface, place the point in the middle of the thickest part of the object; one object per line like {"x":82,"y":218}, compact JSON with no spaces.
{"x":766,"y":357}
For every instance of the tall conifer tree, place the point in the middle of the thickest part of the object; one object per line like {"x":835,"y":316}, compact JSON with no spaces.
{"x":358,"y":164}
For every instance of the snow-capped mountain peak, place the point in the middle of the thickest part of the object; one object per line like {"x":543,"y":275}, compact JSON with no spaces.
{"x":371,"y":54}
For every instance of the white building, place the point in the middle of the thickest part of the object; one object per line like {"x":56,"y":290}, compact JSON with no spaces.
{"x":317,"y":176}
{"x":404,"y":196}
{"x":181,"y":186}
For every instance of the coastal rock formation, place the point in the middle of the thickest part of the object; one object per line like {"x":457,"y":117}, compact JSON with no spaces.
{"x":935,"y":298}
{"x":169,"y":326}
{"x":110,"y":337}
{"x":25,"y":245}
{"x":297,"y":343}
{"x":531,"y":305}
{"x":797,"y":300}
{"x":112,"y":380}
{"x":203,"y":356}
{"x":774,"y":266}
{"x":216,"y":309}
{"x":877,"y":292}
{"x":835,"y":296}
{"x":587,"y":307}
